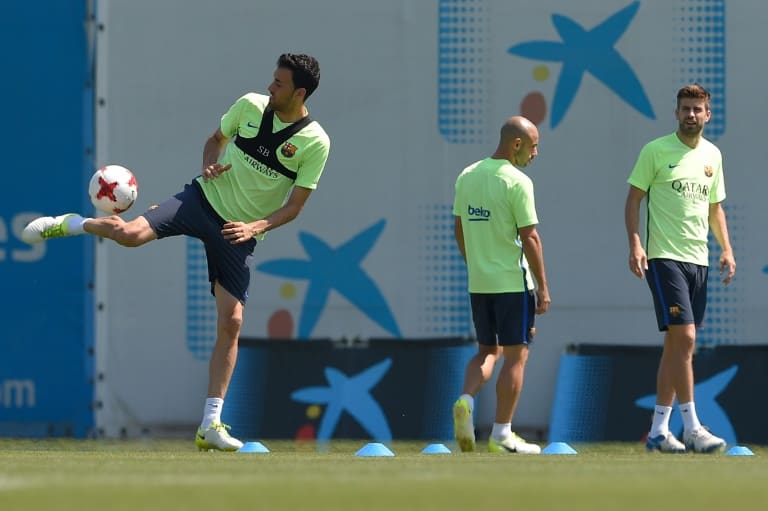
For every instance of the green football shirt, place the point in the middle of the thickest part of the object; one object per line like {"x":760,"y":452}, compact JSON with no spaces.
{"x":680,"y":183}
{"x":250,"y":190}
{"x":494,"y":199}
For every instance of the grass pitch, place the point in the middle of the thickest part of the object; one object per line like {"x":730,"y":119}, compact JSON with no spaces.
{"x":169,"y":475}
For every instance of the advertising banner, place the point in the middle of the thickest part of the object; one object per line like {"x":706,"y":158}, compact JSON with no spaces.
{"x":46,"y":318}
{"x":608,"y":393}
{"x":320,"y":390}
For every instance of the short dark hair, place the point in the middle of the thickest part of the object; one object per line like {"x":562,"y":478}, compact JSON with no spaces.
{"x":694,"y":91}
{"x":305,"y":69}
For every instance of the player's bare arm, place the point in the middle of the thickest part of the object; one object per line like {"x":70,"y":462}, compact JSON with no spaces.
{"x":719,"y":226}
{"x":458,"y":233}
{"x":534,"y":254}
{"x":638,"y":259}
{"x":211,"y":152}
{"x":238,"y":232}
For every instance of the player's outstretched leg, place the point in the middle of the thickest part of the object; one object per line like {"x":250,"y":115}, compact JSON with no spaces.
{"x":217,"y":438}
{"x":49,"y":227}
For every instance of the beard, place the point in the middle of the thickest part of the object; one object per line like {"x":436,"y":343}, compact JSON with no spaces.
{"x":521,"y":159}
{"x":687,"y":129}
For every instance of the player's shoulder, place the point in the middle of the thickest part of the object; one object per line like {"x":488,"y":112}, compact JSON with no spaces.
{"x":466,"y":171}
{"x":507,"y":173}
{"x":470,"y":168}
{"x":512,"y":173}
{"x":316,"y":131}
{"x":255,"y":100}
{"x":662,"y":142}
{"x":709,"y":146}
{"x":518,"y":178}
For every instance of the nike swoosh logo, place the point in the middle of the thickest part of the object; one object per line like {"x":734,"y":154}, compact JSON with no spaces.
{"x":671,"y":165}
{"x":250,"y":125}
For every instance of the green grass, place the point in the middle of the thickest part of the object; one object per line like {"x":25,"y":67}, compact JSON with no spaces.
{"x":139,"y":475}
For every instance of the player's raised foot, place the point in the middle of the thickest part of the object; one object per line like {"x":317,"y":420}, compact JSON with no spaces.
{"x":701,"y":440}
{"x":463,"y":428}
{"x":512,"y":443}
{"x":664,"y":443}
{"x":216,"y":438}
{"x":48,"y":227}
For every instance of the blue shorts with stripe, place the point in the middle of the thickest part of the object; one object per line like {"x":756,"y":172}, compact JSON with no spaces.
{"x":504,"y":319}
{"x":679,"y":292}
{"x":189,"y":213}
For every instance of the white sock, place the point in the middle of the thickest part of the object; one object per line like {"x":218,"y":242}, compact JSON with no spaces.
{"x":212,"y":412}
{"x":660,"y":424}
{"x":470,"y":401}
{"x":75,"y":224}
{"x":690,"y":419}
{"x":501,"y":431}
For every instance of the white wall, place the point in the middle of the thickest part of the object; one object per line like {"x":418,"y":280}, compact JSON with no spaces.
{"x":167,"y":71}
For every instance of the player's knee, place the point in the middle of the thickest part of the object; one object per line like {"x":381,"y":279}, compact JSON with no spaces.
{"x":230,"y":325}
{"x":129,"y":234}
{"x":681,"y":341}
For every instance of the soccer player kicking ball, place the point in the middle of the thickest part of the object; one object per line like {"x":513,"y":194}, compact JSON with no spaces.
{"x":276,"y":151}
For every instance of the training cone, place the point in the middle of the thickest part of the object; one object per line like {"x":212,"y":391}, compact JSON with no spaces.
{"x":558,"y":448}
{"x":374,"y":449}
{"x":253,"y":447}
{"x":436,"y":449}
{"x":739,"y":450}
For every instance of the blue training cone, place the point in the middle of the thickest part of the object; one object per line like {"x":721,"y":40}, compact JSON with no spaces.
{"x":374,"y":449}
{"x":739,"y":450}
{"x":558,"y":448}
{"x":253,"y":447}
{"x":436,"y":449}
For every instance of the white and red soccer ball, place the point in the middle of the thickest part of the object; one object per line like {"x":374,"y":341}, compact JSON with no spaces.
{"x":113,"y":189}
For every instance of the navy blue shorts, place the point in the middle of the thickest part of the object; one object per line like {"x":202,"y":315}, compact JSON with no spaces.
{"x":189,"y":213}
{"x":504,"y":319}
{"x":679,"y":292}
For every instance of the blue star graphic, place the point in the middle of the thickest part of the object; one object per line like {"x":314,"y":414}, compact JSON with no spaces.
{"x":589,"y":51}
{"x":707,"y":407}
{"x":350,"y":394}
{"x":338,"y":269}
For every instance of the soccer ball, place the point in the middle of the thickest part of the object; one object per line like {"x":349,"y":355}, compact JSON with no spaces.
{"x":113,"y":189}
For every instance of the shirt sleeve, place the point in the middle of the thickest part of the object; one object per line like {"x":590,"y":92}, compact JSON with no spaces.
{"x":313,"y":163}
{"x":524,"y":204}
{"x":231,"y":120}
{"x":644,"y":173}
{"x":456,"y":207}
{"x":717,"y":193}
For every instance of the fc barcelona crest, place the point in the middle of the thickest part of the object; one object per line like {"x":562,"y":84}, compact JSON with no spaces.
{"x":288,"y":150}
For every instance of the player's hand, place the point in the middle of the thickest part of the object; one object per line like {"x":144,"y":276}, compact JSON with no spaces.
{"x":542,"y":300}
{"x":727,"y":261}
{"x":638,"y":261}
{"x":214,"y":170}
{"x":237,"y":232}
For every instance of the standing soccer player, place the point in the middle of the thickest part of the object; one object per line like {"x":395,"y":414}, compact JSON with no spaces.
{"x":278,"y":151}
{"x":495,"y":228}
{"x":681,"y":177}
